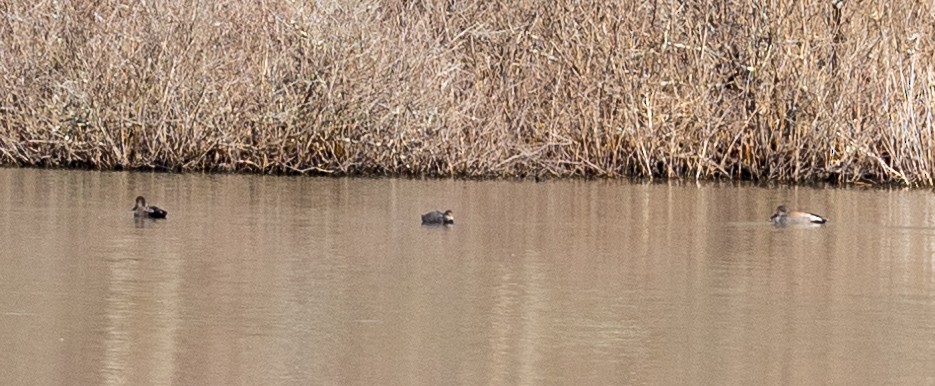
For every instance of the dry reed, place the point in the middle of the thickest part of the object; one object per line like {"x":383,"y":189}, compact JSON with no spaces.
{"x":839,"y":91}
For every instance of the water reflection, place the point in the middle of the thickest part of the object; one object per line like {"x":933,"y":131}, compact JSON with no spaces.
{"x":267,"y":280}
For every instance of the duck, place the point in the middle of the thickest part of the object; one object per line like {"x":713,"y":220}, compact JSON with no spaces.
{"x":784,"y":216}
{"x":437,"y":217}
{"x":144,"y":211}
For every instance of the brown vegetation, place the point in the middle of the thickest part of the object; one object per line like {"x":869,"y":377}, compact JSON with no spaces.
{"x":772,"y":90}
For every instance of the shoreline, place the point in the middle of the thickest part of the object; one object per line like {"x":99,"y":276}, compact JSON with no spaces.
{"x":519,"y":179}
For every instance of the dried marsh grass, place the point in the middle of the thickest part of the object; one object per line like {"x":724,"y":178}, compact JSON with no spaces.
{"x":839,"y":91}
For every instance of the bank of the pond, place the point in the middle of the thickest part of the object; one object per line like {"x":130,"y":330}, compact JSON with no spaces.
{"x":805,"y":91}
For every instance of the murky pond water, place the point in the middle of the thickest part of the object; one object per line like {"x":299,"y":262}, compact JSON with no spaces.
{"x":281,"y":280}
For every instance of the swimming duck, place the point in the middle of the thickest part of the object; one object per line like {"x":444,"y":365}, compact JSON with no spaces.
{"x":144,"y":211}
{"x":784,"y":216}
{"x":437,"y":217}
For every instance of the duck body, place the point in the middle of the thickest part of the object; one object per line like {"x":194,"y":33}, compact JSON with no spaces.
{"x":141,"y":210}
{"x":438,"y":218}
{"x":784,"y":216}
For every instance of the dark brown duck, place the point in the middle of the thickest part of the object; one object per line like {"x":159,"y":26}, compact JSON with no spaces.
{"x":438,"y":218}
{"x":142,"y":210}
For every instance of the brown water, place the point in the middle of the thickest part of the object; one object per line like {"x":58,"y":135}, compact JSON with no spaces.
{"x":278,"y":280}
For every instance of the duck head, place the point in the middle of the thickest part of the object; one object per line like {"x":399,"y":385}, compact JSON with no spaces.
{"x":140,"y":203}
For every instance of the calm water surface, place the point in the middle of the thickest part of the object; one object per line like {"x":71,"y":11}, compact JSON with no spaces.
{"x":279,"y":280}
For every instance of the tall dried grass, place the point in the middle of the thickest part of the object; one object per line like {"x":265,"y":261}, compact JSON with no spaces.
{"x":786,"y":90}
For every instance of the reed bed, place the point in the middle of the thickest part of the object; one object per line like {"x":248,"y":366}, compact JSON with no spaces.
{"x":832,"y":90}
